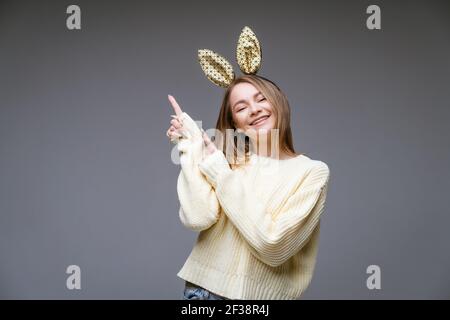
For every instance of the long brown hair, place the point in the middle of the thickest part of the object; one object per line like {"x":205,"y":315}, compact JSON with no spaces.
{"x":281,"y":109}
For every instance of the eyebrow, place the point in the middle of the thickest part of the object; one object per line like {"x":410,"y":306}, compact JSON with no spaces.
{"x":254,"y":96}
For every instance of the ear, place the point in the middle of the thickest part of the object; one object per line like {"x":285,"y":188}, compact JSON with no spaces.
{"x":248,"y":52}
{"x":216,"y":68}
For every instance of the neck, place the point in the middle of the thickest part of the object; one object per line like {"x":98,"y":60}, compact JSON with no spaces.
{"x":262,"y":146}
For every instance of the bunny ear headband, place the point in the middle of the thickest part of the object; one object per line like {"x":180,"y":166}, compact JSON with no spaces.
{"x":248,"y":55}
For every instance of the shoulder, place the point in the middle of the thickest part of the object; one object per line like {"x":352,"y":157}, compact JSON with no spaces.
{"x":322,"y":167}
{"x":317,"y":170}
{"x":315,"y":164}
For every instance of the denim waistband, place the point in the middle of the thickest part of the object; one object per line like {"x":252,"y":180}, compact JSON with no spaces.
{"x":202,"y":291}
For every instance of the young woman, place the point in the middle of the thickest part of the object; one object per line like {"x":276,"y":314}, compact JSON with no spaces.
{"x":258,"y":215}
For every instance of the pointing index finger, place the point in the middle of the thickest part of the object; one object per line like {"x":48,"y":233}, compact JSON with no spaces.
{"x":175,"y":106}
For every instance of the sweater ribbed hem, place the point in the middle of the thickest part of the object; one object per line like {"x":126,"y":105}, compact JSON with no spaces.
{"x":235,"y":286}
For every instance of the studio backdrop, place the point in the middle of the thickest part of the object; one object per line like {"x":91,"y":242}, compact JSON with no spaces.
{"x":87,"y":182}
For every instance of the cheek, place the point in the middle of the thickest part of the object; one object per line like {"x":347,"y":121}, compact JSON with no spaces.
{"x":273,"y":122}
{"x":239,"y":121}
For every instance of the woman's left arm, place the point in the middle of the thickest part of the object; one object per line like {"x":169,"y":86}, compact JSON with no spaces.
{"x":273,"y":237}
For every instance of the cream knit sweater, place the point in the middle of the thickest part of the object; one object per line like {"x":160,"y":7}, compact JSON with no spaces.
{"x":259,"y":225}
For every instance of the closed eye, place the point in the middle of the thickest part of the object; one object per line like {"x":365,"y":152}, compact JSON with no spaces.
{"x":260,"y":100}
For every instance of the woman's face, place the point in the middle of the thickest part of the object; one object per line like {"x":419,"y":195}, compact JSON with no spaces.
{"x":250,"y":108}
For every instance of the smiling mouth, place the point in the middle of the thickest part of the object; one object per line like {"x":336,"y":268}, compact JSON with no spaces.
{"x":259,"y":121}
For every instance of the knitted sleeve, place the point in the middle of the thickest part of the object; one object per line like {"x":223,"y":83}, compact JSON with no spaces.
{"x":272,"y":238}
{"x":199,"y":207}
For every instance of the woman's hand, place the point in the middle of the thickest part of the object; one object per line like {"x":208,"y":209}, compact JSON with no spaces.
{"x":176,"y":127}
{"x":210,"y":146}
{"x":176,"y":124}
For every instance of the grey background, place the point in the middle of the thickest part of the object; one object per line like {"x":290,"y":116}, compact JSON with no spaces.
{"x":85,"y":170}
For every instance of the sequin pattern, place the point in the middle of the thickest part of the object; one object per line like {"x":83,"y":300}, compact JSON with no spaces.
{"x":248,"y":55}
{"x":216,"y":68}
{"x":248,"y":52}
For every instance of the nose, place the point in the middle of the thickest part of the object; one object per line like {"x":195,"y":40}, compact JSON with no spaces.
{"x":254,"y":108}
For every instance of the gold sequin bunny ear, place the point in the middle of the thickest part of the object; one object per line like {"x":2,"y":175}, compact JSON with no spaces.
{"x":216,"y":68}
{"x":248,"y":52}
{"x":220,"y":72}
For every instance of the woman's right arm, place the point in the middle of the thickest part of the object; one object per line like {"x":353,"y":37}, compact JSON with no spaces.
{"x":199,"y":207}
